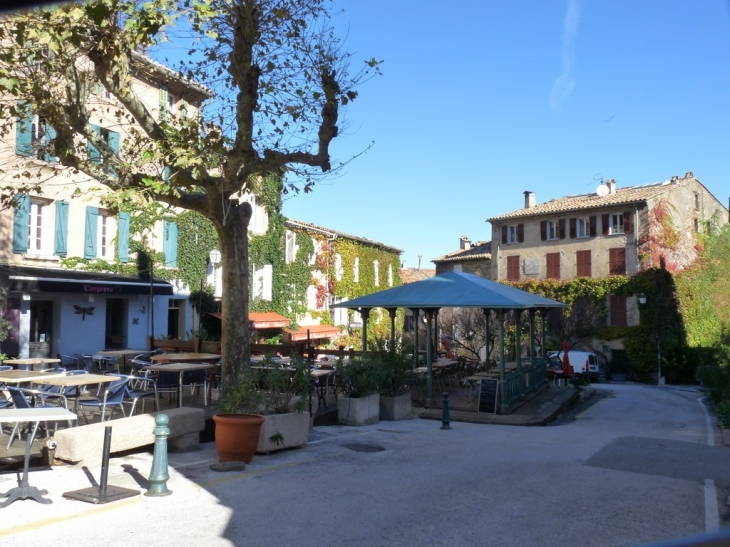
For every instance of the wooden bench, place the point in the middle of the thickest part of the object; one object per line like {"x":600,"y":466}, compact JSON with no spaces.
{"x":86,"y":443}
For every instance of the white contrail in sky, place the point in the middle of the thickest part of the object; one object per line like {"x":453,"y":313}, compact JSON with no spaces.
{"x":564,"y":84}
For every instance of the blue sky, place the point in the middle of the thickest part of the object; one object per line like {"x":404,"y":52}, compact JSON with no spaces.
{"x":481,"y":100}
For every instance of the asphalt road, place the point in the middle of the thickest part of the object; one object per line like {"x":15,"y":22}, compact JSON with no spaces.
{"x":630,"y":467}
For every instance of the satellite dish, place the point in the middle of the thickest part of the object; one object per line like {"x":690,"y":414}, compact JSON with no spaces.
{"x":602,"y":190}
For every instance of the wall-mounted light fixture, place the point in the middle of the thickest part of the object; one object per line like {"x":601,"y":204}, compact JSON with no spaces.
{"x":642,"y":298}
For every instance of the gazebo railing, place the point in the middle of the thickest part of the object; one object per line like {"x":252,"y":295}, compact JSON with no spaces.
{"x":518,"y":383}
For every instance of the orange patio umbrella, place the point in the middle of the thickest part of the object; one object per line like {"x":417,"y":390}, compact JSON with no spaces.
{"x":567,"y":369}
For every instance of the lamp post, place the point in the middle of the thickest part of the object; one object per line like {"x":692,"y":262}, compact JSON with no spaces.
{"x":642,"y":301}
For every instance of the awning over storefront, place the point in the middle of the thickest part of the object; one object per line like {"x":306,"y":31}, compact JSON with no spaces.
{"x":315,"y":332}
{"x":262,"y":320}
{"x":55,"y":280}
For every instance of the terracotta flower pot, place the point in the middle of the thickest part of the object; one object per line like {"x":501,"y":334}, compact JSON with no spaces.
{"x":237,"y":436}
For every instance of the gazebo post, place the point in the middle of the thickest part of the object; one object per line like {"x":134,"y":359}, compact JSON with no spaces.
{"x":543,"y":316}
{"x":391,"y":312}
{"x":417,"y":315}
{"x":532,"y":337}
{"x":429,"y":356}
{"x":364,"y":313}
{"x":502,"y":405}
{"x":486,"y":338}
{"x":436,"y":339}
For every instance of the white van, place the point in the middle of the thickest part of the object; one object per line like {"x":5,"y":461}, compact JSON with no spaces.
{"x":583,"y":362}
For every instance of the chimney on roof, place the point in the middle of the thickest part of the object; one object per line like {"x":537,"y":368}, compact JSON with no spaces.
{"x":611,"y":186}
{"x":675,"y":178}
{"x":529,"y":199}
{"x":689,"y":175}
{"x":464,"y":243}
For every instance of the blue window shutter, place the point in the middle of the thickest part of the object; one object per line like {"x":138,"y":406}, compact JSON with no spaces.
{"x":24,"y":129}
{"x":93,"y":154}
{"x":61,"y":245}
{"x":114,"y":141}
{"x":114,"y":145}
{"x":92,"y":214}
{"x":123,"y":237}
{"x":20,"y":224}
{"x":169,"y":245}
{"x":48,"y":138}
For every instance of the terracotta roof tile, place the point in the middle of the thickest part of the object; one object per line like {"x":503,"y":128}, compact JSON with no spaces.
{"x":409,"y":275}
{"x":479,"y":251}
{"x":622,"y":196}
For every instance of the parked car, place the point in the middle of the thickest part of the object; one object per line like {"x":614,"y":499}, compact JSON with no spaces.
{"x":583,"y":362}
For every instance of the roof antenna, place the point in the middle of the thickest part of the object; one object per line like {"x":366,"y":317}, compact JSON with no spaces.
{"x":419,"y":262}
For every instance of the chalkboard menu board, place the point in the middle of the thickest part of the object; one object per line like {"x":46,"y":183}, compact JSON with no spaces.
{"x":488,"y":395}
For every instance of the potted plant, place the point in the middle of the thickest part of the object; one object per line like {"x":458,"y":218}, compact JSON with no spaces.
{"x":358,"y":381}
{"x":284,"y":392}
{"x":237,"y":426}
{"x":395,"y":393}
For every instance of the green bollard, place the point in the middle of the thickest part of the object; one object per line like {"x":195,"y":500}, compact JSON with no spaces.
{"x":159,"y":475}
{"x":445,"y":418}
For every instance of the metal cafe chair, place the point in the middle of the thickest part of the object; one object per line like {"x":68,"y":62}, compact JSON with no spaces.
{"x":113,"y":397}
{"x":20,"y":400}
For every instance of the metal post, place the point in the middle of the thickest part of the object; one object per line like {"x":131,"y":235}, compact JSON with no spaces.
{"x":429,"y":357}
{"x":503,"y":404}
{"x":159,"y":474}
{"x":445,"y":418}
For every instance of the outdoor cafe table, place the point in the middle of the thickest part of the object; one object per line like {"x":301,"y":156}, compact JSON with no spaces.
{"x":32,"y":363}
{"x":21,"y":376}
{"x":180,"y":368}
{"x":123,"y":353}
{"x":78,"y":380}
{"x":37,"y":415}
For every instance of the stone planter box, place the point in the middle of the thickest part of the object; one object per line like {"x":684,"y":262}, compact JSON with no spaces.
{"x":359,"y":411}
{"x":294,"y":427}
{"x":396,"y":408}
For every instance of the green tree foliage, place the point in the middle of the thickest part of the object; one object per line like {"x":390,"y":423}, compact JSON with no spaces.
{"x":279,"y":77}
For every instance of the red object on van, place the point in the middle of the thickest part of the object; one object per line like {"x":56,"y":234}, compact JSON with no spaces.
{"x":567,"y":369}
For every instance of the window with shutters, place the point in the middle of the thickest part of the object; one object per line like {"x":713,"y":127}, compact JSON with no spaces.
{"x":582,"y":227}
{"x":552,"y":230}
{"x":618,"y":310}
{"x":356,"y":270}
{"x":583,"y":264}
{"x":513,"y":268}
{"x":390,"y":275}
{"x":39,"y":241}
{"x":33,"y":134}
{"x":617,"y":261}
{"x":290,"y":248}
{"x":514,"y":233}
{"x":261,"y":282}
{"x":338,"y":267}
{"x":104,"y":236}
{"x":552,"y":265}
{"x":376,"y":272}
{"x":615,"y":223}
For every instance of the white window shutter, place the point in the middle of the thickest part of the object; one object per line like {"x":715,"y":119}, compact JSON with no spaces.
{"x":267,"y":279}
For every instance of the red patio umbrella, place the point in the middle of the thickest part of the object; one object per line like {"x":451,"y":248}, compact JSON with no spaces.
{"x":567,"y":369}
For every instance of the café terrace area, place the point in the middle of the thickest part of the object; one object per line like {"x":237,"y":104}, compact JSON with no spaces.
{"x":185,"y":374}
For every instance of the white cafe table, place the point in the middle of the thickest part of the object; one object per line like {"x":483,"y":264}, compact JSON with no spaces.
{"x":37,"y":415}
